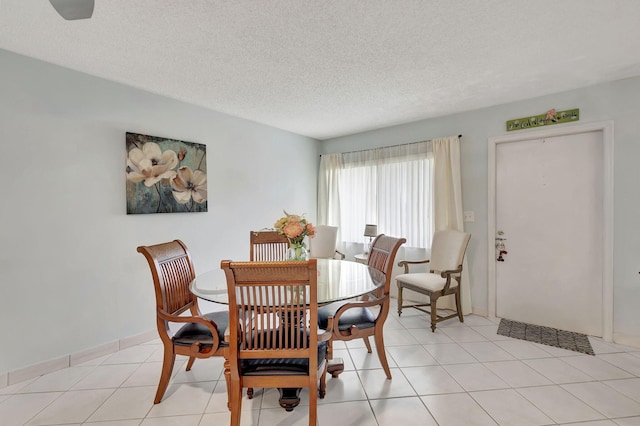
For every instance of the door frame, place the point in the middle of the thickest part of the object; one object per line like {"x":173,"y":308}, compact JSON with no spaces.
{"x":606,"y":127}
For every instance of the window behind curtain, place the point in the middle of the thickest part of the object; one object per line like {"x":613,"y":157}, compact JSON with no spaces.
{"x":390,"y":187}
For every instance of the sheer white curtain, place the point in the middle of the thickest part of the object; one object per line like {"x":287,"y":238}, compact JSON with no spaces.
{"x":390,"y":187}
{"x":448,"y":204}
{"x":407,"y":190}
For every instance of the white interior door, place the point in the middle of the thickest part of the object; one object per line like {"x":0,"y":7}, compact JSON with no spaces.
{"x":549,"y":201}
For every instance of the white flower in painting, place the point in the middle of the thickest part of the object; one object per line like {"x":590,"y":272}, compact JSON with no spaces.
{"x":150,"y":164}
{"x":187,"y":184}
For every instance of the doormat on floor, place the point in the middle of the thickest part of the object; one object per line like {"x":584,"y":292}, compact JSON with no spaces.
{"x":546,"y":335}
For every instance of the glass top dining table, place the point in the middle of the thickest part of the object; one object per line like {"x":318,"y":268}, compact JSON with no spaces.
{"x":337,"y":280}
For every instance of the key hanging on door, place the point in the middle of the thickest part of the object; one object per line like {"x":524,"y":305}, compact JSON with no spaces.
{"x":500,"y":246}
{"x":500,"y":258}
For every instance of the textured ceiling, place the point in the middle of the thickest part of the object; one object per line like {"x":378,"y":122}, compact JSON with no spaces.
{"x":331,"y":68}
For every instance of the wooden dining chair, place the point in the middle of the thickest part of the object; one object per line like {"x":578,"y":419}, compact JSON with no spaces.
{"x":445,"y":271}
{"x":268,"y":246}
{"x":354,"y":319}
{"x":201,"y":336}
{"x":274,"y":341}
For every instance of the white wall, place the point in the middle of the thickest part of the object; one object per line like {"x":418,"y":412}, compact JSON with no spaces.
{"x":618,"y":101}
{"x":70,"y":276}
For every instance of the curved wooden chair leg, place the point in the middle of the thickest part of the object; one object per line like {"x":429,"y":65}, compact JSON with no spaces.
{"x":192,"y":359}
{"x":399,"y":300}
{"x":167,"y":367}
{"x":382,"y":355}
{"x":366,"y":343}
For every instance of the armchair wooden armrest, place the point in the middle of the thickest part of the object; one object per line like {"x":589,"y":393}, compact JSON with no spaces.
{"x":444,"y":274}
{"x":354,"y":331}
{"x":406,"y":263}
{"x":210,"y":324}
{"x":448,"y":275}
{"x":325,"y":336}
{"x":196,"y":348}
{"x":341,"y":255}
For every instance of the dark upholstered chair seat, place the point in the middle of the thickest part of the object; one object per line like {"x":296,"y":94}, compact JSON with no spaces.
{"x":360,"y":317}
{"x":282,"y":366}
{"x":195,"y":332}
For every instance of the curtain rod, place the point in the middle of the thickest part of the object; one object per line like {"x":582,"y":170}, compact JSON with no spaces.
{"x":390,"y":146}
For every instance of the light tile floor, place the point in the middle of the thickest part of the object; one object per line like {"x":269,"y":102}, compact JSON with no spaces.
{"x":463,"y":374}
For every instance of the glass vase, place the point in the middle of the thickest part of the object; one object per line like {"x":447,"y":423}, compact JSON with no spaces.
{"x":297,"y":251}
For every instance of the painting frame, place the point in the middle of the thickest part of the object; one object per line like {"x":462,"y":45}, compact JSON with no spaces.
{"x":165,"y":175}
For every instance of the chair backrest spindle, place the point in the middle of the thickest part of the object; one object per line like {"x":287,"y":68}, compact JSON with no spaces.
{"x":267,"y":246}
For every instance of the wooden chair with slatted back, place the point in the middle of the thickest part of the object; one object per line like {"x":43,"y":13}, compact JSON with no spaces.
{"x":268,"y":246}
{"x":201,"y":336}
{"x":354,"y":319}
{"x":274,"y":340}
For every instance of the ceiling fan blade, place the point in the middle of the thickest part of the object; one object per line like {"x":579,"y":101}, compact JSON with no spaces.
{"x":73,"y":9}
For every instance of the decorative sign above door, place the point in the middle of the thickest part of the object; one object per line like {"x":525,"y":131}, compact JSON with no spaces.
{"x":550,"y":117}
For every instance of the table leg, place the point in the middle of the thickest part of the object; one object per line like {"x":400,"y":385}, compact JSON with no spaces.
{"x":335,"y":367}
{"x":289,"y":398}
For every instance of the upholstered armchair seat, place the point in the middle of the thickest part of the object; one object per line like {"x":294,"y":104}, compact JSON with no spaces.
{"x":281,"y":366}
{"x":360,"y":317}
{"x":424,"y":281}
{"x":195,"y":332}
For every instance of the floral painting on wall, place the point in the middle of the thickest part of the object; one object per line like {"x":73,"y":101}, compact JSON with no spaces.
{"x":165,"y":175}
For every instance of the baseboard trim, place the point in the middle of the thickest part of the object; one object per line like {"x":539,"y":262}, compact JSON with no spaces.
{"x":127,"y":342}
{"x":93,"y":353}
{"x":627,"y":339}
{"x":32,"y":371}
{"x":38,"y":369}
{"x":479,"y":311}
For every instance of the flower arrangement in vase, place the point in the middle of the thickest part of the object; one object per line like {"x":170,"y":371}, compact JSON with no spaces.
{"x":295,"y":228}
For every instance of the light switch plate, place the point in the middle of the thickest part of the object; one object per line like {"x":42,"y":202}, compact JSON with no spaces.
{"x":469,"y":216}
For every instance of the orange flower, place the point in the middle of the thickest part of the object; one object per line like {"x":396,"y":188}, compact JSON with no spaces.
{"x":311,"y":230}
{"x":293,"y":229}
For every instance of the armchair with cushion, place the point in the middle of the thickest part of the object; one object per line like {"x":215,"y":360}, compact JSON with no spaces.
{"x":201,"y":336}
{"x":323,"y":244}
{"x":354,"y":319}
{"x":445,"y":270}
